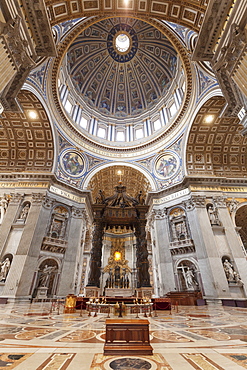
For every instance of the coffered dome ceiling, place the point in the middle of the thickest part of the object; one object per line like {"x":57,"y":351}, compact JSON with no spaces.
{"x":122,"y":67}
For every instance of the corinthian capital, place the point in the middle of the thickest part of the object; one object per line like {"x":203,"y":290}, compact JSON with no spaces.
{"x":220,"y":201}
{"x":159,"y":214}
{"x":16,"y":198}
{"x":77,"y":212}
{"x":198,"y":200}
{"x":48,"y":202}
{"x":37,"y":198}
{"x":189,"y":204}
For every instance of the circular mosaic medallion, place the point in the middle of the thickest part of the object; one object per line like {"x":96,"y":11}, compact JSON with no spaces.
{"x":167,"y":165}
{"x":129,"y":364}
{"x":72,"y":163}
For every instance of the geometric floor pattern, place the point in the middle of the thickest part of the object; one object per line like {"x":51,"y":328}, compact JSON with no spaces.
{"x":33,"y":337}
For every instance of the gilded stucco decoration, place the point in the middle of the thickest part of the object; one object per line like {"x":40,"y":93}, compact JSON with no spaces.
{"x":216,"y":148}
{"x":26,"y":137}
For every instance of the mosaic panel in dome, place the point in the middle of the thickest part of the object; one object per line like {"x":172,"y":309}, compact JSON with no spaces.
{"x":120,"y":84}
{"x":216,"y":148}
{"x":26,"y":144}
{"x":167,"y":165}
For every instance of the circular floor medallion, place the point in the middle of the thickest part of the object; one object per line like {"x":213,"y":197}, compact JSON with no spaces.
{"x":129,"y":363}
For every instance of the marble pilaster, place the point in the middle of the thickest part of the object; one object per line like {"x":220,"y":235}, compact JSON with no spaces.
{"x":8,"y":220}
{"x":212,"y":273}
{"x":233,"y":242}
{"x":25,"y":260}
{"x":68,"y":274}
{"x":164,"y":259}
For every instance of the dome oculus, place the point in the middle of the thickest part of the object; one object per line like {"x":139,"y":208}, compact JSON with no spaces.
{"x":122,"y":42}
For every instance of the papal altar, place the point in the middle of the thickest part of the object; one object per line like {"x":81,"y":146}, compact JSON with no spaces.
{"x":115,"y":292}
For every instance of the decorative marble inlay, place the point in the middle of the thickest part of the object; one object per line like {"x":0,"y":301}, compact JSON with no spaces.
{"x":239,"y":358}
{"x":10,"y":361}
{"x":168,"y":336}
{"x":57,"y":361}
{"x":130,"y":363}
{"x":78,"y":336}
{"x":156,"y":362}
{"x":200,"y":361}
{"x":31,"y":333}
{"x":212,"y":333}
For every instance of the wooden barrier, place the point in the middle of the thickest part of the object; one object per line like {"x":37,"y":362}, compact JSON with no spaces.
{"x":127,"y":337}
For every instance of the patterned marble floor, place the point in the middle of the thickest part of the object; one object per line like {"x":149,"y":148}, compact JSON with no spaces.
{"x":206,"y":337}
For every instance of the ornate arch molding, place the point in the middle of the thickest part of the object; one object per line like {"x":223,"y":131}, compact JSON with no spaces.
{"x":189,"y":14}
{"x":45,"y":258}
{"x":70,"y":129}
{"x":216,"y":148}
{"x":192,"y":260}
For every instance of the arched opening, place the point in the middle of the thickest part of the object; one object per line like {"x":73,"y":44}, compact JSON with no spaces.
{"x":240,"y":220}
{"x":119,"y":256}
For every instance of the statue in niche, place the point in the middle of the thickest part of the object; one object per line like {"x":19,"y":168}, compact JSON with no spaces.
{"x":3,"y":206}
{"x":213,"y":216}
{"x":4,"y":269}
{"x":24,"y":212}
{"x":190,"y":279}
{"x":229,"y":270}
{"x":45,"y":276}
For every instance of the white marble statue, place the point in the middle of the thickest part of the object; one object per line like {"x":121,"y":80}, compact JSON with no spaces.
{"x":238,"y":279}
{"x":3,"y":207}
{"x":45,"y":275}
{"x":4,"y":269}
{"x":24,"y":212}
{"x":229,"y":270}
{"x":190,"y":279}
{"x":213,"y":215}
